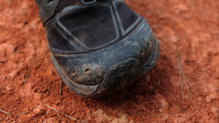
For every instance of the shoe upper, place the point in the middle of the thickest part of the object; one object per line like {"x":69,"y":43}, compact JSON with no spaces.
{"x":72,"y":26}
{"x":87,"y":38}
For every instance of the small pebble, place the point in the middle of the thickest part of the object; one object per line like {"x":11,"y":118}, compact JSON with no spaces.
{"x":208,"y":99}
{"x":8,"y":88}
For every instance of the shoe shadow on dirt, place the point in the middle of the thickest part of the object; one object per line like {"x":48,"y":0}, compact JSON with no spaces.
{"x":146,"y":93}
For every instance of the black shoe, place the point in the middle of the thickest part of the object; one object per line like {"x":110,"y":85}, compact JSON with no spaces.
{"x":97,"y":46}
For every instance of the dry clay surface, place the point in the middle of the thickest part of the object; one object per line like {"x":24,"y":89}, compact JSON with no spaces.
{"x":183,"y":87}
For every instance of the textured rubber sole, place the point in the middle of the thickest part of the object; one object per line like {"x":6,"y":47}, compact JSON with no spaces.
{"x":118,"y":76}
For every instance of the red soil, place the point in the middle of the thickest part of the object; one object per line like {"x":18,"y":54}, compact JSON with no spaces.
{"x":189,"y":28}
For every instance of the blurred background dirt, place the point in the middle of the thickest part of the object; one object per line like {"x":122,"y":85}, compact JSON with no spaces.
{"x":188,"y":32}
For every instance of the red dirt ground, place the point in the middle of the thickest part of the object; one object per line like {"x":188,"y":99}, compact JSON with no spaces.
{"x":189,"y":28}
